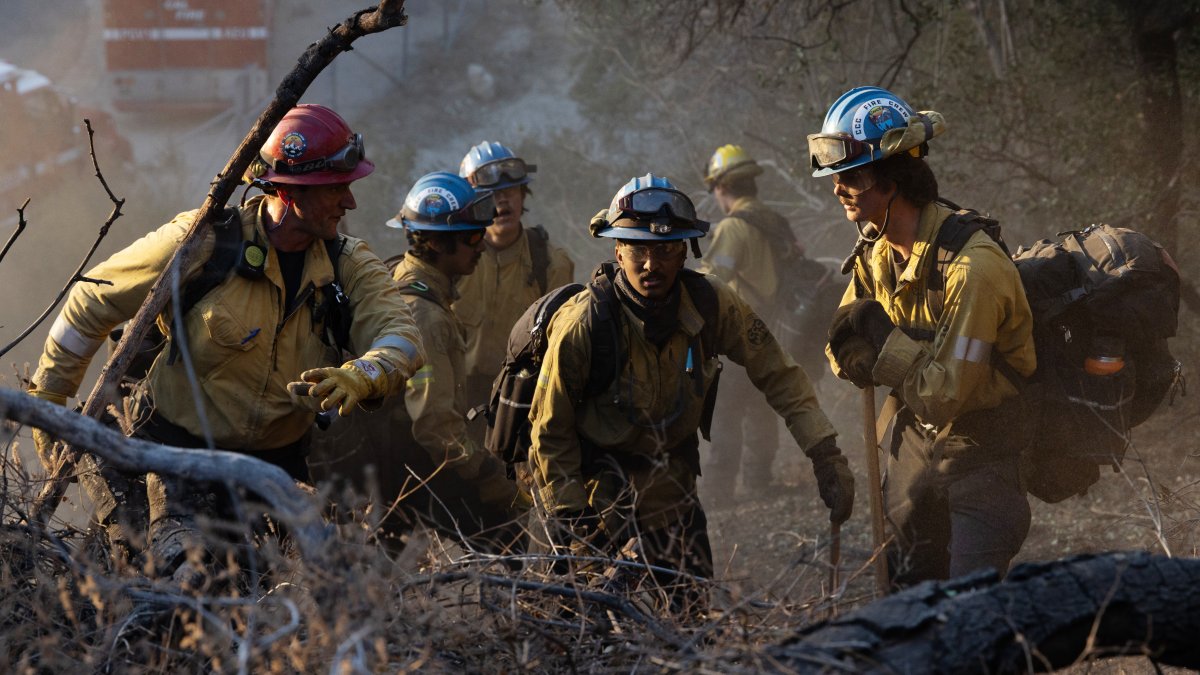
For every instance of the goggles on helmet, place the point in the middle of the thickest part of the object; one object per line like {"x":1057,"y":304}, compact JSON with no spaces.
{"x":826,"y":150}
{"x":344,"y":160}
{"x":471,"y":238}
{"x":661,"y":252}
{"x":654,"y":202}
{"x":504,"y":170}
{"x":481,"y":212}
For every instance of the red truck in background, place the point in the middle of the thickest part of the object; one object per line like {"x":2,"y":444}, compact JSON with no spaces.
{"x":186,"y":55}
{"x":43,"y":139}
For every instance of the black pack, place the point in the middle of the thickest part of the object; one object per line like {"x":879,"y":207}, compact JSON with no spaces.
{"x":512,"y":391}
{"x":1104,"y":301}
{"x":807,"y":292}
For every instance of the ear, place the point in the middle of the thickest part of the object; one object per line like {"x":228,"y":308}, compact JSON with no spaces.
{"x":617,"y":252}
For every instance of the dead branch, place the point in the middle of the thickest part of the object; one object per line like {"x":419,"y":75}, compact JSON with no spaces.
{"x":17,"y":232}
{"x":77,"y":276}
{"x":1042,"y":617}
{"x":388,"y":14}
{"x":286,"y":501}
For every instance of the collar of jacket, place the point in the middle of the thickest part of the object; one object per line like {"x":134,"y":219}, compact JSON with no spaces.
{"x":318,"y":269}
{"x":745,"y":204}
{"x":514,"y":253}
{"x":413,"y":269}
{"x":690,"y":320}
{"x":929,"y":222}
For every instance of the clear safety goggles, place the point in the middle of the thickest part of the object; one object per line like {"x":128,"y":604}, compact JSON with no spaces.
{"x":344,"y":160}
{"x":501,"y":171}
{"x":855,"y":181}
{"x":654,"y":202}
{"x":826,"y":150}
{"x":661,"y":252}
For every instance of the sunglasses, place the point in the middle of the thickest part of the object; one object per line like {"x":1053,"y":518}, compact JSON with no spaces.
{"x":344,"y":160}
{"x":504,"y":170}
{"x":855,"y":181}
{"x":661,"y":252}
{"x":471,"y":239}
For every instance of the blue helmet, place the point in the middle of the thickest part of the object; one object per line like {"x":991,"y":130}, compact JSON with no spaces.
{"x":867,"y":124}
{"x":443,"y":202}
{"x":650,"y":208}
{"x":492,"y":166}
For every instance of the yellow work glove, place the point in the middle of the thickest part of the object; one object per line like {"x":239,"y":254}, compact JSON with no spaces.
{"x":343,"y":388}
{"x":42,"y":441}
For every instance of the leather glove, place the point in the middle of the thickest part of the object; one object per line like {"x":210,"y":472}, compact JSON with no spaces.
{"x":581,"y":532}
{"x":856,"y":358}
{"x":42,"y":441}
{"x":871,"y":322}
{"x":834,"y":480}
{"x":841,"y":328}
{"x":343,"y":388}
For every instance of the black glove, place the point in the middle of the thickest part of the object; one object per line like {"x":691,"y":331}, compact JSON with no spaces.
{"x":871,"y":322}
{"x":856,"y":358}
{"x":580,"y":527}
{"x":841,"y":328}
{"x":834,"y":480}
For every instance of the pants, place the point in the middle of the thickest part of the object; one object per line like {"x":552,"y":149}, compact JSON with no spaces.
{"x":954,"y":507}
{"x":745,"y":434}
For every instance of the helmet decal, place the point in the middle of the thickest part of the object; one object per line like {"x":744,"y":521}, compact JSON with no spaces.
{"x":293,"y":145}
{"x":433,"y":199}
{"x":881,"y":113}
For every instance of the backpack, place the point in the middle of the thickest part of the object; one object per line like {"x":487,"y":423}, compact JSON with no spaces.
{"x":1100,"y":297}
{"x":807,"y":292}
{"x":507,"y":410}
{"x":335,"y":313}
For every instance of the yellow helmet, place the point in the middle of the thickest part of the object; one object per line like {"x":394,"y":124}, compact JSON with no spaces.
{"x":730,"y":161}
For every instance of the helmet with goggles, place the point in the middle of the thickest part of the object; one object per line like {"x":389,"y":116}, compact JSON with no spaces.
{"x":650,"y":208}
{"x":492,"y":166}
{"x":312,"y":145}
{"x":730,"y":162}
{"x":443,"y":202}
{"x":867,"y":124}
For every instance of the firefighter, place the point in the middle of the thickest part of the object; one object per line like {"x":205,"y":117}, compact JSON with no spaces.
{"x":623,"y":464}
{"x":953,"y":493}
{"x":743,"y":255}
{"x":260,"y":360}
{"x":421,"y":448}
{"x":519,"y":265}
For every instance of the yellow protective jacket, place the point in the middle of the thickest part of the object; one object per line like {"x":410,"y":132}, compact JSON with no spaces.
{"x":743,"y":256}
{"x":653,"y":404}
{"x":985,"y":310}
{"x":434,"y":398}
{"x":499,"y":291}
{"x":244,"y":349}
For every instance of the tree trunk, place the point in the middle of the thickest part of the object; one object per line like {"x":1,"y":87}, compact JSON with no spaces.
{"x":1043,"y":616}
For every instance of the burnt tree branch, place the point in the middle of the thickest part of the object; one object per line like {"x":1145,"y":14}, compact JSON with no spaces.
{"x":388,"y":14}
{"x":1041,"y":617}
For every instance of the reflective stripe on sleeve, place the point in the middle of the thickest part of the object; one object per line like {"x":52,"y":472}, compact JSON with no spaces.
{"x":421,"y":378}
{"x":396,"y":342}
{"x":70,"y":339}
{"x":971,"y":349}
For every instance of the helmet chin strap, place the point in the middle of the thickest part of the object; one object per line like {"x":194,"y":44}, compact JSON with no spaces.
{"x":868,"y":234}
{"x":287,"y":208}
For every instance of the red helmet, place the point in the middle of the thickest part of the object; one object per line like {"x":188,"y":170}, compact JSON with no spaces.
{"x":313,"y":145}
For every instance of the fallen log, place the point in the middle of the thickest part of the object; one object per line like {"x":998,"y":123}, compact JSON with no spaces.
{"x":287,"y":502}
{"x":1042,"y":617}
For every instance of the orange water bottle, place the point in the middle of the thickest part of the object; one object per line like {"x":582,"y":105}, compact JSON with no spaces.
{"x":1107,"y":356}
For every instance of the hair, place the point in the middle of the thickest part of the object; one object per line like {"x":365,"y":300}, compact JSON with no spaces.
{"x":739,"y":186}
{"x":913,"y":178}
{"x":421,"y":243}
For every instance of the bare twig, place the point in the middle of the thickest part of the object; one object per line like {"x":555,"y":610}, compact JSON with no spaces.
{"x":16,"y":233}
{"x":77,"y":276}
{"x":388,"y":14}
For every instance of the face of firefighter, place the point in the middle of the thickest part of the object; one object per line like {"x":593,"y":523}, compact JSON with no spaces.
{"x":317,"y":209}
{"x":506,"y":227}
{"x":862,"y":195}
{"x":651,"y":267}
{"x":461,"y":261}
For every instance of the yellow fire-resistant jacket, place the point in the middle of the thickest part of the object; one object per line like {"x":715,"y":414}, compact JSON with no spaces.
{"x":434,"y":397}
{"x":984,"y":310}
{"x":743,"y":256}
{"x":653,"y":404}
{"x":243,"y":348}
{"x":499,"y":291}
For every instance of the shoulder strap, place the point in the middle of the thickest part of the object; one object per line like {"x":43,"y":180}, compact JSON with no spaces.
{"x":219,"y":265}
{"x":603,"y":325}
{"x":951,"y":238}
{"x":339,"y":315}
{"x":704,"y":296}
{"x":539,"y":253}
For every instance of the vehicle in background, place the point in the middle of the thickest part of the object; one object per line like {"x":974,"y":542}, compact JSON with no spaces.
{"x":43,"y":138}
{"x":186,"y":55}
